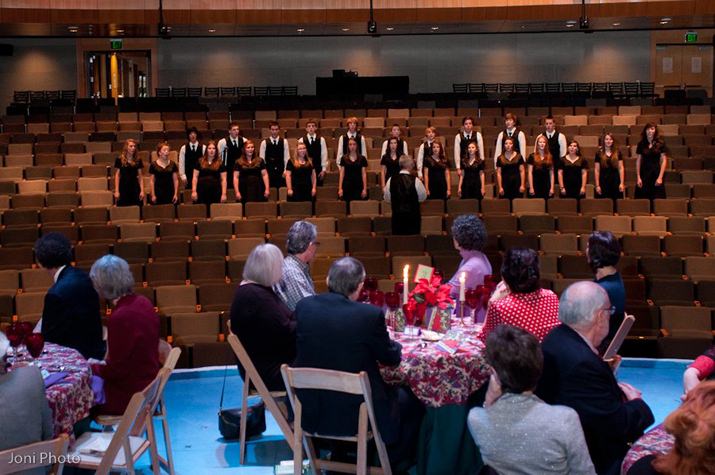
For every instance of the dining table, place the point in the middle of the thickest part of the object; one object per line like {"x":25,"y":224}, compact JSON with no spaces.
{"x":656,"y":441}
{"x":443,"y":380}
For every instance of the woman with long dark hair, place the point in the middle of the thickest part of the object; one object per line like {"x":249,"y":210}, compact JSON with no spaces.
{"x":651,"y":164}
{"x":608,"y":169}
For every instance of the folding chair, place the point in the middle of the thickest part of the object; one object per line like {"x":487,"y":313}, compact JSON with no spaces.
{"x":54,"y":452}
{"x":341,"y":382}
{"x":252,"y":378}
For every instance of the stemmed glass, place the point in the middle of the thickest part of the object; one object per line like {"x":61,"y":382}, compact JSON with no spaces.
{"x":35,"y":343}
{"x":377,"y":298}
{"x":15,"y":336}
{"x":410,"y":329}
{"x":392,"y":300}
{"x":370,"y":284}
{"x":473,"y":299}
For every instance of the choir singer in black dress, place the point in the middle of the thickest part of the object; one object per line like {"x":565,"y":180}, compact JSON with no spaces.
{"x":608,"y":170}
{"x":301,"y":178}
{"x":164,"y":177}
{"x":573,"y":173}
{"x":405,"y":192}
{"x":540,"y":170}
{"x":471,"y":182}
{"x":208,"y":184}
{"x":651,"y":164}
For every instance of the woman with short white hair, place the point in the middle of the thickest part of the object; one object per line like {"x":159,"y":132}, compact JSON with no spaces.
{"x":263,"y":323}
{"x":132,"y":360}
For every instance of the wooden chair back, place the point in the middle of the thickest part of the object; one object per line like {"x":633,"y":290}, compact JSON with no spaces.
{"x":53,"y":449}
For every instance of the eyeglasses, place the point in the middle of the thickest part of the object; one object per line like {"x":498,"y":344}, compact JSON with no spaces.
{"x":610,"y":310}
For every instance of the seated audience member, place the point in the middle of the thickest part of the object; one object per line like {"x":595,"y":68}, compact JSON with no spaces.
{"x":260,"y":319}
{"x":469,"y":237}
{"x":693,"y":427}
{"x":404,"y":191}
{"x":526,"y":305}
{"x":296,"y":282}
{"x":335,"y":332}
{"x":24,"y":412}
{"x":603,"y":253}
{"x":70,"y":316}
{"x":612,"y":414}
{"x":132,"y":335}
{"x":702,"y":368}
{"x":550,"y":438}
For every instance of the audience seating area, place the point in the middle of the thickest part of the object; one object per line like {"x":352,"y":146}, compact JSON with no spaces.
{"x":57,"y":176}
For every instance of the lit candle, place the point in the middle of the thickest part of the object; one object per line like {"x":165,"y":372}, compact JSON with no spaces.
{"x":462,"y":279}
{"x":405,"y":290}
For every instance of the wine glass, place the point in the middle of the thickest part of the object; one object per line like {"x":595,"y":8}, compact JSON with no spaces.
{"x":377,"y":298}
{"x":409,"y":320}
{"x":399,"y":287}
{"x":364,"y":295}
{"x":35,"y":343}
{"x":473,"y":299}
{"x":392,"y":299}
{"x":15,"y":336}
{"x":370,"y":283}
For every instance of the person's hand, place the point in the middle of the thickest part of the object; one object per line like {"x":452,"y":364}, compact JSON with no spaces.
{"x":484,"y":192}
{"x":639,"y":182}
{"x":551,"y":191}
{"x":459,"y":172}
{"x":630,"y":392}
{"x":658,"y":181}
{"x":621,"y":188}
{"x":141,"y":196}
{"x":501,"y":291}
{"x":522,"y":189}
{"x":289,"y":192}
{"x":691,"y":378}
{"x":614,"y":362}
{"x":583,"y":191}
{"x":598,"y":190}
{"x":194,"y":196}
{"x":494,"y":390}
{"x":267,"y":193}
{"x":501,"y":191}
{"x":363,"y":194}
{"x":340,"y":192}
{"x":313,"y":192}
{"x":531,"y":192}
{"x":175,"y":199}
{"x":321,"y":175}
{"x":449,"y":193}
{"x":153,"y":199}
{"x":459,"y":192}
{"x":223,"y":197}
{"x":116,"y":195}
{"x":563,"y":190}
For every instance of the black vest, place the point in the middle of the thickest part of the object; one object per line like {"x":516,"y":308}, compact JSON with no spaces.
{"x":358,"y":138}
{"x":275,"y":156}
{"x":191,"y":158}
{"x":403,"y":195}
{"x":463,"y":142}
{"x":232,"y":153}
{"x":400,"y":147}
{"x":426,"y":149}
{"x":315,"y":152}
{"x":554,"y":146}
{"x":515,"y":137}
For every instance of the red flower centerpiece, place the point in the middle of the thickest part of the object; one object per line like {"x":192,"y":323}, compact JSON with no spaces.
{"x":432,"y":303}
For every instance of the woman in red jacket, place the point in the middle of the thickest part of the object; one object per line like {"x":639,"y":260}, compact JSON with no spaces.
{"x":132,"y":360}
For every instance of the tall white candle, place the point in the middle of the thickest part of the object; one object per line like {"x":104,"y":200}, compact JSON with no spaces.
{"x":462,"y":280}
{"x":405,"y":290}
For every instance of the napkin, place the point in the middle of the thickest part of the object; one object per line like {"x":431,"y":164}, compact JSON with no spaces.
{"x":55,"y":378}
{"x":97,"y":445}
{"x":97,"y":384}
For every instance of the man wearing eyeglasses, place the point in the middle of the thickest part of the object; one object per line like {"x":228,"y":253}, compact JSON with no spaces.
{"x":612,"y":414}
{"x":296,"y":282}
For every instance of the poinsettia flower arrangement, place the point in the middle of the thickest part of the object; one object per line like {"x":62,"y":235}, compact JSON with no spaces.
{"x":430,"y":304}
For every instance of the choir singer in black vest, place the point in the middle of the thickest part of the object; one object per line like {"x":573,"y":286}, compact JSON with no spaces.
{"x":405,"y":192}
{"x":556,"y":140}
{"x":189,"y":155}
{"x":275,"y":153}
{"x":317,"y":149}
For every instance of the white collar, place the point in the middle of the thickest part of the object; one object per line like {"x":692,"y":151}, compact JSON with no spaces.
{"x":57,"y":274}
{"x":404,"y":172}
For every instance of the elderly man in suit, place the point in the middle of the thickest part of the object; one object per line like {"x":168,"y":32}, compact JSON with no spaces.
{"x":25,"y":415}
{"x":71,"y":314}
{"x":612,"y":414}
{"x":336,"y":332}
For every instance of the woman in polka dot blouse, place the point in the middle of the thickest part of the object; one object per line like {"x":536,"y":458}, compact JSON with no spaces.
{"x":526,"y":305}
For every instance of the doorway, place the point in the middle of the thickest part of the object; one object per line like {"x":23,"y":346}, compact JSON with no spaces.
{"x":132,"y":68}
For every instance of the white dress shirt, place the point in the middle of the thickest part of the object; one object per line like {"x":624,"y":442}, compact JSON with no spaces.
{"x":182,"y":159}
{"x":405,"y":148}
{"x":522,"y":144}
{"x":363,"y":145}
{"x":286,"y":150}
{"x":475,"y":135}
{"x":421,"y":192}
{"x":323,"y":150}
{"x":562,"y":142}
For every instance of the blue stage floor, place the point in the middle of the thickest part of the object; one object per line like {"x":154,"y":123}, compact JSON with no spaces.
{"x":193,"y":397}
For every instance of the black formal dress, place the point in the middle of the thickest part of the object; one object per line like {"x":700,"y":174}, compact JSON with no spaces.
{"x":352,"y":178}
{"x":71,"y":315}
{"x":392,"y":167}
{"x":650,"y":169}
{"x":575,"y":376}
{"x":336,"y":333}
{"x":250,"y":180}
{"x":406,"y":216}
{"x":435,"y":171}
{"x":301,"y":181}
{"x":266,"y":329}
{"x":572,"y":176}
{"x":164,"y":182}
{"x":129,"y":188}
{"x":609,"y":178}
{"x":541,"y":173}
{"x":511,"y":175}
{"x":472,"y":179}
{"x":208,"y":186}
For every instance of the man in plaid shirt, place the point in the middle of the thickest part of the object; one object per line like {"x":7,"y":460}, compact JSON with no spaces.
{"x":296,"y":282}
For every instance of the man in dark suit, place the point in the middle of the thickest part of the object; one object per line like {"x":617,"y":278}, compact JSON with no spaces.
{"x":70,"y":316}
{"x":335,"y":332}
{"x":612,"y":414}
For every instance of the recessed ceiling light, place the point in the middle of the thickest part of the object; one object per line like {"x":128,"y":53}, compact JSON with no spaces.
{"x":570,"y":25}
{"x":73,"y":29}
{"x":390,"y":28}
{"x":300,"y":30}
{"x":120,"y":31}
{"x":571,"y":22}
{"x":663,"y":22}
{"x":212,"y":30}
{"x":616,"y":24}
{"x":435,"y":28}
{"x":345,"y":29}
{"x":666,"y":19}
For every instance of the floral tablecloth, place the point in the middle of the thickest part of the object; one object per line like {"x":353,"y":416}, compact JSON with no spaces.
{"x":436,"y":377}
{"x":654,"y":442}
{"x":71,"y":398}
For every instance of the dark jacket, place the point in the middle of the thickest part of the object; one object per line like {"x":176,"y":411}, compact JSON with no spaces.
{"x":133,"y":359}
{"x":71,"y":314}
{"x":266,"y":329}
{"x":336,"y":333}
{"x":576,"y":377}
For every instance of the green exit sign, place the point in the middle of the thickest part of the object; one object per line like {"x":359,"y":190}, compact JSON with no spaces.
{"x":115,"y":44}
{"x":691,"y":37}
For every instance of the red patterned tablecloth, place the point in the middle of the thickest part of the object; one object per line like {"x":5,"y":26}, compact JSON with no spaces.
{"x":436,"y":377}
{"x":654,"y":442}
{"x":70,"y":399}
